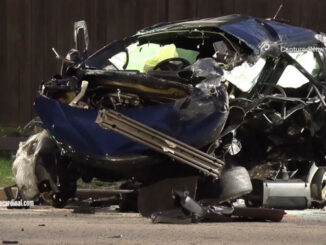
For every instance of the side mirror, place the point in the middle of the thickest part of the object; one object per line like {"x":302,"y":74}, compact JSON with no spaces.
{"x":81,"y":25}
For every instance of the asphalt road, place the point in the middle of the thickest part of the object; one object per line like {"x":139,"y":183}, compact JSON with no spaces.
{"x":53,"y":226}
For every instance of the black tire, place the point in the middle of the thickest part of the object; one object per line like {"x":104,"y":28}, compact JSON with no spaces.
{"x":234,"y":183}
{"x":317,"y":185}
{"x":129,"y":202}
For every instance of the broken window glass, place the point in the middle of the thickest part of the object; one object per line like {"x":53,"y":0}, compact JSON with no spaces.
{"x":292,"y":77}
{"x":245,"y":76}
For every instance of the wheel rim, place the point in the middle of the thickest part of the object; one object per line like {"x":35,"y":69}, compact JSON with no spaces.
{"x":323,"y":187}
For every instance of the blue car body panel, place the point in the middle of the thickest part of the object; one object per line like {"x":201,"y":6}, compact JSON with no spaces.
{"x":254,"y":32}
{"x":76,"y":127}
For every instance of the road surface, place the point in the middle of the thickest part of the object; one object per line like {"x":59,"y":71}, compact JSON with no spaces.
{"x":55,"y":226}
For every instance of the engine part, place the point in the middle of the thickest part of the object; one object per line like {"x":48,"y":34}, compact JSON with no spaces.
{"x":286,"y":194}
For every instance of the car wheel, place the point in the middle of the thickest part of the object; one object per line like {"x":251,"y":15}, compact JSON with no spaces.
{"x":318,"y":185}
{"x":234,"y":183}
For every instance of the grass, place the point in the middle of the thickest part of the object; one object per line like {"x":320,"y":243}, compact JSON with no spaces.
{"x":6,"y":177}
{"x":97,"y":184}
{"x":10,"y":131}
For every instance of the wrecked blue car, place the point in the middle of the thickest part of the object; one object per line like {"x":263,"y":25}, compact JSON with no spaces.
{"x":218,"y":108}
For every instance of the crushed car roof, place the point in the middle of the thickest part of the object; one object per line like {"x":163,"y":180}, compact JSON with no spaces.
{"x":253,"y":31}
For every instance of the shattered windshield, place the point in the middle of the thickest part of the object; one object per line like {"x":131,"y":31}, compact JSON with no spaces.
{"x":145,"y":57}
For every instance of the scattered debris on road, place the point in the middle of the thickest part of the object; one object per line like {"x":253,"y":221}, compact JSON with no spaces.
{"x":118,"y":236}
{"x":9,"y":242}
